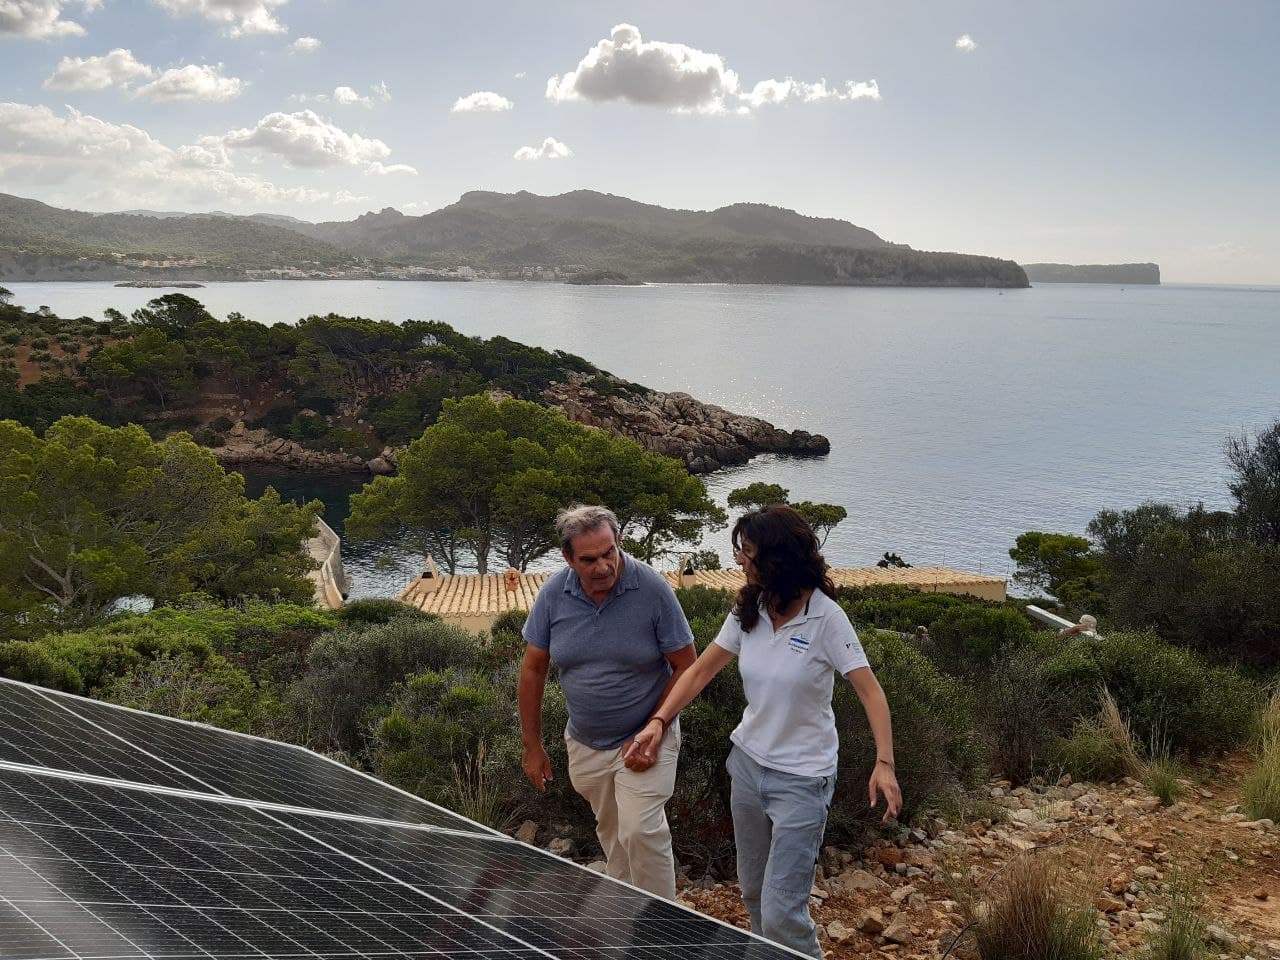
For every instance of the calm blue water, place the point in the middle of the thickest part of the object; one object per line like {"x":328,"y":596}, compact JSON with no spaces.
{"x":957,"y":418}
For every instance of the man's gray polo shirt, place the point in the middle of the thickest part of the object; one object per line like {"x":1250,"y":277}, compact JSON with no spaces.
{"x":611,"y":656}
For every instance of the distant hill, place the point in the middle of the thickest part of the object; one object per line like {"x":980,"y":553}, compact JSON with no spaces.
{"x":37,"y":228}
{"x":588,"y":231}
{"x":1133,"y":273}
{"x":523,"y":234}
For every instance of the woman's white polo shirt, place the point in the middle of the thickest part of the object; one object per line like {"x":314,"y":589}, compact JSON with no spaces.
{"x":788,"y":675}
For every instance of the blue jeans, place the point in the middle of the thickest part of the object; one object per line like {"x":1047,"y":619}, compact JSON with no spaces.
{"x":778,"y":822}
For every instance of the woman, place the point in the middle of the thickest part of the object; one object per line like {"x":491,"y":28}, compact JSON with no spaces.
{"x":791,"y":638}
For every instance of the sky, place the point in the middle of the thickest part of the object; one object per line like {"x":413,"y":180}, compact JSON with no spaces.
{"x":1082,"y":132}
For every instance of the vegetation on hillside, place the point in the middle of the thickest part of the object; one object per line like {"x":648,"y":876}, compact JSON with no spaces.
{"x":328,"y":383}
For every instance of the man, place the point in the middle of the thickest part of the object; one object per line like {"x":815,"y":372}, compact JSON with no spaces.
{"x":620,"y":640}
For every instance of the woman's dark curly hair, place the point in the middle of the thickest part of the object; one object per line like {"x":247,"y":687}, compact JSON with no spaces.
{"x":787,"y":562}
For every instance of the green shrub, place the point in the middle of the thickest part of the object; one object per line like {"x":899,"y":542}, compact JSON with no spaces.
{"x":208,"y":438}
{"x":98,"y":655}
{"x":1167,"y":694}
{"x":1161,"y":778}
{"x":936,"y":743}
{"x":30,"y":662}
{"x":221,"y":424}
{"x":510,"y":621}
{"x":41,"y":343}
{"x":1024,"y":707}
{"x":352,"y":669}
{"x":1182,"y":935}
{"x":449,"y":734}
{"x":968,"y":638}
{"x":381,"y":610}
{"x":899,"y":608}
{"x":1089,"y":752}
{"x":205,"y":689}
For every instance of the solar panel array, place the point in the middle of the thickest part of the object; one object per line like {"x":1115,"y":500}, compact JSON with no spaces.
{"x":126,"y":835}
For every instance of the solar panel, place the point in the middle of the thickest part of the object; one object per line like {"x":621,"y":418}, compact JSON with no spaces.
{"x":34,"y":730}
{"x":147,"y":748}
{"x":92,"y":871}
{"x":166,"y":869}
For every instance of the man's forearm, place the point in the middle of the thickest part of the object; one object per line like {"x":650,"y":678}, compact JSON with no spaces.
{"x":531,"y":689}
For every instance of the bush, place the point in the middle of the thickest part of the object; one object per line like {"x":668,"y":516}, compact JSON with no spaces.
{"x":1168,"y":695}
{"x":898,"y":608}
{"x":1024,"y":707}
{"x":1182,"y":936}
{"x":381,"y":610}
{"x":968,"y":638}
{"x":351,"y":671}
{"x":510,"y":621}
{"x":30,"y":662}
{"x":205,"y":689}
{"x":936,"y":745}
{"x":1089,"y":752}
{"x":449,"y":734}
{"x":88,"y":659}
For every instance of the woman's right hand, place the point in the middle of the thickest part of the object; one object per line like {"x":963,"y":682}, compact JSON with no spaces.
{"x":642,"y":751}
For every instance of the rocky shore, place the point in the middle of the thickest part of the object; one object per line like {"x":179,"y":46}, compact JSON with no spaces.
{"x":258,"y":446}
{"x":704,"y":436}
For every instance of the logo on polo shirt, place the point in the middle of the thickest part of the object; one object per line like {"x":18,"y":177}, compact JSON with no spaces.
{"x":798,"y":644}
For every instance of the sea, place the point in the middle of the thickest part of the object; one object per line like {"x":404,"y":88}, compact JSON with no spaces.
{"x":957,"y":418}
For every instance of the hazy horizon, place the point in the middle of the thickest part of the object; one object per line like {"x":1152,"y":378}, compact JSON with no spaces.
{"x":1094,"y":133}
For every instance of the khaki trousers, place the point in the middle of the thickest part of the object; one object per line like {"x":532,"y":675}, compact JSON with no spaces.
{"x":630,"y":809}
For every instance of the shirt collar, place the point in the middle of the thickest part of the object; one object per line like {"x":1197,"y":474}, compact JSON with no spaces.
{"x":807,"y":612}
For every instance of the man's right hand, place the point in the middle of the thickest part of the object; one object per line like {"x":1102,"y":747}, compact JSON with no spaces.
{"x":537,"y":767}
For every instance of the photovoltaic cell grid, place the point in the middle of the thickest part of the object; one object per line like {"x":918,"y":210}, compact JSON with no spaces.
{"x":34,"y":730}
{"x":221,"y":761}
{"x":88,"y":870}
{"x":97,"y":871}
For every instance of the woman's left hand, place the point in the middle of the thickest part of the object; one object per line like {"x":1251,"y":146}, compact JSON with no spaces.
{"x":885,"y":783}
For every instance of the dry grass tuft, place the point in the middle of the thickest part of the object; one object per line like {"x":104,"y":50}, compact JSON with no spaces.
{"x":1262,"y":788}
{"x":1036,"y":908}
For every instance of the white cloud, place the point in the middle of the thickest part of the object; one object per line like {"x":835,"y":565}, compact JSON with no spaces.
{"x":551,"y":149}
{"x":347,"y":97}
{"x":481,"y":101}
{"x":655,"y":73}
{"x":966,"y":43}
{"x":381,"y":91}
{"x":521,"y":75}
{"x":241,"y":17}
{"x":304,"y":45}
{"x":118,"y":68}
{"x":304,"y":139}
{"x":40,"y":19}
{"x":124,"y":164}
{"x":204,"y":83}
{"x":768,"y":92}
{"x":384,"y":169}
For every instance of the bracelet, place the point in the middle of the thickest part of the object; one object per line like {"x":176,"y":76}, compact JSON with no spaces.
{"x":660,"y":720}
{"x":887,"y":763}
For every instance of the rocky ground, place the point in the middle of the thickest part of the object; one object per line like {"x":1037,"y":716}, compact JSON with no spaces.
{"x":897,"y":897}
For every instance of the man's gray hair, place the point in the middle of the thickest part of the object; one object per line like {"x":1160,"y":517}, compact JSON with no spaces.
{"x":580,"y":518}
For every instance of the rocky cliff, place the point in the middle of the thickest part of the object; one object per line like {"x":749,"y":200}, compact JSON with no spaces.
{"x":704,"y":436}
